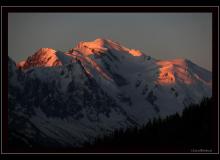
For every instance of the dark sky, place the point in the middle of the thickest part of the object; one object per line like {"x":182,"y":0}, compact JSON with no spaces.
{"x":161,"y":35}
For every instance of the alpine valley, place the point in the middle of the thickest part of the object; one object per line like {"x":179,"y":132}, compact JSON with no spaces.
{"x":64,"y":99}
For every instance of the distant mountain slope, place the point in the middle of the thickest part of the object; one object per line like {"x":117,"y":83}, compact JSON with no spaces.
{"x":71,"y":97}
{"x":180,"y":132}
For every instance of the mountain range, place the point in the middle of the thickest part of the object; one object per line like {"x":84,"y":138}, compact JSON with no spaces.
{"x":64,"y":99}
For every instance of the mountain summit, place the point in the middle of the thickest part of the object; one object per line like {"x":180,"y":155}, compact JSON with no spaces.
{"x":44,"y":57}
{"x":71,"y":97}
{"x":103,"y":45}
{"x":47,"y":57}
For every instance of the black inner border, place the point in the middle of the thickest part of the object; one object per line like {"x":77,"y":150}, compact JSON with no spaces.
{"x":119,"y":9}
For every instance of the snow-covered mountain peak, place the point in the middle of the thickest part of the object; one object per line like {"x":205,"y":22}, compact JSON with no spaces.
{"x":183,"y":71}
{"x":173,"y":62}
{"x":98,"y":87}
{"x":44,"y":57}
{"x":99,"y":43}
{"x":174,"y":70}
{"x":45,"y":52}
{"x":100,"y":46}
{"x":94,"y":47}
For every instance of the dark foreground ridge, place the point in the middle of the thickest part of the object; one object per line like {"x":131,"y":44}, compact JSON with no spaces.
{"x":187,"y":132}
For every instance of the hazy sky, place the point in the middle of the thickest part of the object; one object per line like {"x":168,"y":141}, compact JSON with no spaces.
{"x":161,"y":35}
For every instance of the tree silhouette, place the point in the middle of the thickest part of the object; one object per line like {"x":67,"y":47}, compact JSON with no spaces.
{"x":191,"y":129}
